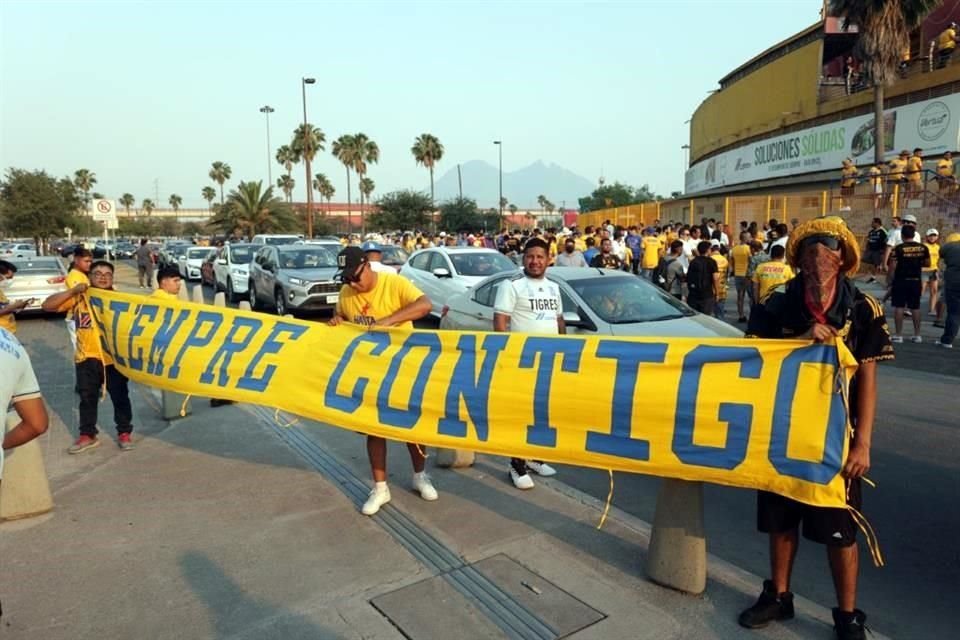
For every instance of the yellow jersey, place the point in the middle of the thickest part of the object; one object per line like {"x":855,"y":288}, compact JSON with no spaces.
{"x":849,"y":175}
{"x":722,"y":266}
{"x":88,"y":333}
{"x":740,"y":255}
{"x":163,"y":295}
{"x":8,"y":321}
{"x":897,"y":167}
{"x":915,"y":168}
{"x":770,"y":275}
{"x":934,"y":250}
{"x":945,"y":168}
{"x":390,"y":294}
{"x":652,"y":248}
{"x":947,"y":39}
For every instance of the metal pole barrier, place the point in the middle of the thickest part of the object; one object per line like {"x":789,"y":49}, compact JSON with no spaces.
{"x":769,"y":204}
{"x":896,"y":199}
{"x":677,"y":557}
{"x":726,"y":210}
{"x":25,"y":491}
{"x":823,"y":204}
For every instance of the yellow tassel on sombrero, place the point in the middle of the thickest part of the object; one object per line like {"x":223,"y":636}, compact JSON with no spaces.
{"x":829,"y":226}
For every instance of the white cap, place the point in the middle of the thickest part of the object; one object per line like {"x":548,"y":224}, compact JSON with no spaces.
{"x":932,"y":232}
{"x":714,"y":243}
{"x":909,"y":218}
{"x":443,"y":234}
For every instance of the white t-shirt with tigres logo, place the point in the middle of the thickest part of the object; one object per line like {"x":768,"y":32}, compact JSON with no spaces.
{"x":18,"y":382}
{"x":532,"y":304}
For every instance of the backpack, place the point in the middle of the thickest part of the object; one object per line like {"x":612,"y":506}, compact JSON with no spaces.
{"x":660,"y":274}
{"x":699,"y":279}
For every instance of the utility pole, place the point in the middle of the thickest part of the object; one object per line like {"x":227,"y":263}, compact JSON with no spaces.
{"x":499,"y":144}
{"x":460,"y":181}
{"x":306,"y":157}
{"x":267,"y":110}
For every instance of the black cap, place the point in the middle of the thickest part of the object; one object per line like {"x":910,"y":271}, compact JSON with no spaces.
{"x":348,"y":260}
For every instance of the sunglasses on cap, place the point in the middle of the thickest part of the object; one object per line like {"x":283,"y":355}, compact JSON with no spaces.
{"x":830,"y":242}
{"x":355,"y":276}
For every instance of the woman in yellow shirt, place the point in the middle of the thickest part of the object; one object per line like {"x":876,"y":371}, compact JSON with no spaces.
{"x":930,"y":276}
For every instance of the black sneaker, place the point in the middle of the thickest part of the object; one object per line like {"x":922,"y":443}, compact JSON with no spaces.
{"x":769,"y":607}
{"x":849,"y":626}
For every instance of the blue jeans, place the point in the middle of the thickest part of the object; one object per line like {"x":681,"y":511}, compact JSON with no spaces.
{"x":718,"y":309}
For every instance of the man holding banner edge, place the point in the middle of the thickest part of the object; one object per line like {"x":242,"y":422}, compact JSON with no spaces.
{"x":823,"y":304}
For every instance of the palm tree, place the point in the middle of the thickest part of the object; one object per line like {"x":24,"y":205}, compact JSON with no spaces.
{"x":324,"y":187}
{"x":345,"y":150}
{"x":175,"y":202}
{"x":307,"y":140}
{"x":220,"y":173}
{"x":287,"y":157}
{"x":84,"y":179}
{"x":287,"y":183}
{"x":542,"y":201}
{"x":884,"y":28}
{"x":209,"y":193}
{"x":126,"y":201}
{"x":254,"y":210}
{"x":513,"y":209}
{"x":427,"y":151}
{"x":367,"y":152}
{"x":366,"y":187}
{"x":147,"y":205}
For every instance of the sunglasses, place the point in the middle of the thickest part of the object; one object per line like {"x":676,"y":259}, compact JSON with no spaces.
{"x":355,"y":276}
{"x":830,"y":242}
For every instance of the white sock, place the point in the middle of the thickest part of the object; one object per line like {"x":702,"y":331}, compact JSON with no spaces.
{"x":417,"y":476}
{"x":380,"y":487}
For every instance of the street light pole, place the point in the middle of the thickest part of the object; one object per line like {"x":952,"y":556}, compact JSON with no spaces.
{"x":306,"y":157}
{"x":499,"y":144}
{"x":267,"y":110}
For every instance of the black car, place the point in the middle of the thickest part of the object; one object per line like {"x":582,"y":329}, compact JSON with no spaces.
{"x":98,"y":251}
{"x":124,"y":250}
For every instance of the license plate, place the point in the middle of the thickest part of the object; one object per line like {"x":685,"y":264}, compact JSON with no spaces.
{"x":333,"y":299}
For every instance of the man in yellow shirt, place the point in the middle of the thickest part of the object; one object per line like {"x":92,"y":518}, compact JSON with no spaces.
{"x":915,"y":173}
{"x":373,"y":299}
{"x":848,"y":181}
{"x":946,"y":43}
{"x":770,"y":275}
{"x":740,"y":259}
{"x":930,"y":274}
{"x":723,"y":271}
{"x":945,"y":173}
{"x":652,"y":252}
{"x":8,"y":310}
{"x":168,"y":284}
{"x":93,"y":363}
{"x":875,"y":174}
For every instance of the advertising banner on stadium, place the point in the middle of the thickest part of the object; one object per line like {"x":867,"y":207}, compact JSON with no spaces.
{"x":932,"y":125}
{"x":767,"y":414}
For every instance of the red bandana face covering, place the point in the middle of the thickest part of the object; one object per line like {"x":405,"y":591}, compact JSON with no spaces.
{"x":821,"y":273}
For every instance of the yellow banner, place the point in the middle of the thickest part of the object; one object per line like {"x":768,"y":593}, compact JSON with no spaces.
{"x":765,"y":414}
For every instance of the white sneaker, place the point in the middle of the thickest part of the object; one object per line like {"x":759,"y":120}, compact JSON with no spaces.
{"x":916,"y":339}
{"x":541,"y":468}
{"x":896,"y":339}
{"x":521,"y":481}
{"x":377,"y":499}
{"x":945,"y":345}
{"x":423,"y":486}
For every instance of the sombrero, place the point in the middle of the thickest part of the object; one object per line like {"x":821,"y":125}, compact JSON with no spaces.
{"x":829,"y":226}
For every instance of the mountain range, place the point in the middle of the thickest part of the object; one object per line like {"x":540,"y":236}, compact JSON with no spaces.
{"x":520,"y":187}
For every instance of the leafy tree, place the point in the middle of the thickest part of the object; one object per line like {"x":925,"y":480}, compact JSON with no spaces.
{"x":287,"y":183}
{"x":168,"y":227}
{"x":402,"y":210}
{"x":512,"y":208}
{"x":307,"y":141}
{"x":367,"y":151}
{"x":884,"y":27}
{"x":503,"y":203}
{"x":287,"y":157}
{"x":251,"y":210}
{"x":84,"y":179}
{"x":427,"y":151}
{"x":366,"y":187}
{"x":542,"y":201}
{"x":462,"y":215}
{"x":192,"y":229}
{"x":675,"y":194}
{"x":126,"y":201}
{"x":138,"y":227}
{"x":220,"y":172}
{"x":147,"y":206}
{"x":209,"y":193}
{"x":175,"y":202}
{"x":37,"y":205}
{"x":324,"y":187}
{"x":345,"y":150}
{"x":616,"y":195}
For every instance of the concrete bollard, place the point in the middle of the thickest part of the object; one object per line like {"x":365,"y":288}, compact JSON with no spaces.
{"x":244,"y":305}
{"x":183,"y":294}
{"x":454,"y":458}
{"x":24,"y":491}
{"x":170,"y":401}
{"x":219,"y":299}
{"x":198,"y":294}
{"x":677,"y":557}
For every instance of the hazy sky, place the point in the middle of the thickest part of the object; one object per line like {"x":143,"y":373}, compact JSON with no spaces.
{"x":139,"y":92}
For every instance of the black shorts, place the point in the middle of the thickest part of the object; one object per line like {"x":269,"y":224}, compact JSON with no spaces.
{"x":906,"y":293}
{"x":873,"y":257}
{"x":834,"y":527}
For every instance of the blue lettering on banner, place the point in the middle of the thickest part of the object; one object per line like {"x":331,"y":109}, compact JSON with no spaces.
{"x":161,"y":339}
{"x":352,"y":402}
{"x":408,"y":417}
{"x":475,"y":391}
{"x":819,"y":472}
{"x":540,"y":432}
{"x":212,"y":321}
{"x":629,"y":356}
{"x":136,"y":329}
{"x":738,"y":416}
{"x":118,"y":307}
{"x":229,"y":347}
{"x":96,"y":304}
{"x":270,"y":345}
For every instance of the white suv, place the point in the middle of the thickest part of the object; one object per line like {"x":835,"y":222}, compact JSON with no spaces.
{"x":276,"y":239}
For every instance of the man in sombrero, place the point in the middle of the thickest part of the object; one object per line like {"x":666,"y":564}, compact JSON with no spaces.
{"x":821,"y":303}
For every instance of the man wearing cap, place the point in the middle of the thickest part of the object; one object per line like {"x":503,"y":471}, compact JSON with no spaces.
{"x":822,"y":304}
{"x":370,"y":299}
{"x":374,"y":253}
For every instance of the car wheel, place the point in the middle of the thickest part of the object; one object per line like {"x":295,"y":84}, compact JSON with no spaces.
{"x":280,"y":302}
{"x":252,"y":294}
{"x":231,"y":296}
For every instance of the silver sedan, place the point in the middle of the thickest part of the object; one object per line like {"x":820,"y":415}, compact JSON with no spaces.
{"x":36,"y":278}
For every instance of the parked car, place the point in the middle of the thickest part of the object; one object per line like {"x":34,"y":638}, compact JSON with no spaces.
{"x":276,"y":239}
{"x":595,"y":302}
{"x":189,"y":263}
{"x":393,"y":256}
{"x":170,"y":253}
{"x":36,"y":279}
{"x":231,"y":269}
{"x":293,"y":278}
{"x":124,"y":250}
{"x":19,"y":250}
{"x":443,"y":272}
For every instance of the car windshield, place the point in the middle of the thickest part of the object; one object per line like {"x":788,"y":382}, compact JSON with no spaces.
{"x":307,"y":258}
{"x":241,"y":255}
{"x":393,"y":255}
{"x":198,"y":254}
{"x":276,"y":241}
{"x":40,"y":265}
{"x":178,"y":250}
{"x":480,"y":263}
{"x":628,"y":300}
